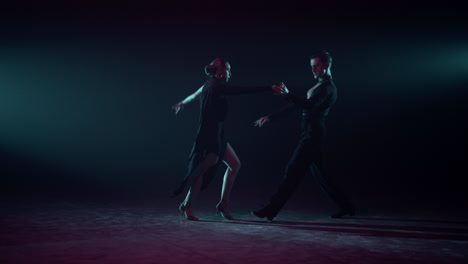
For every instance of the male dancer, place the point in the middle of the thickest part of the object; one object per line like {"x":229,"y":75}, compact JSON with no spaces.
{"x":309,"y":151}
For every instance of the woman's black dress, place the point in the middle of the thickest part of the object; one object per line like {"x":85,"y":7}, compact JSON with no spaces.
{"x":210,"y":135}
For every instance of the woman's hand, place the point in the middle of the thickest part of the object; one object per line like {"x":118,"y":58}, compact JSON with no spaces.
{"x":280,"y":90}
{"x":177,"y":107}
{"x":260,"y":122}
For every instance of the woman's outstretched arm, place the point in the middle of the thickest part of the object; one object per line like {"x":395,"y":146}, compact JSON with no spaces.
{"x":231,"y":90}
{"x":180,"y":105}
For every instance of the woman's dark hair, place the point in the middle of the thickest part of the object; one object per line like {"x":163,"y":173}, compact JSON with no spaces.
{"x":214,"y":66}
{"x":323,"y":55}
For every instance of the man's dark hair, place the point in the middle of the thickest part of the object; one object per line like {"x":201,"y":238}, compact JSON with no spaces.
{"x":323,"y":55}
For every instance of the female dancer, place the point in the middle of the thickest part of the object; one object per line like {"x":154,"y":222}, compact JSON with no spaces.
{"x":210,"y":147}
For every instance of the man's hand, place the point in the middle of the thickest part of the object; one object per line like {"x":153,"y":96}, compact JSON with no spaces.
{"x":280,"y":90}
{"x":177,"y":107}
{"x":260,"y":122}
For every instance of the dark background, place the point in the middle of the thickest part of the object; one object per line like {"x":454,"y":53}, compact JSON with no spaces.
{"x":86,"y":92}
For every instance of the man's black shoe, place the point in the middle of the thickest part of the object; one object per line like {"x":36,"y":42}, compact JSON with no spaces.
{"x":343,"y":212}
{"x":261,"y":214}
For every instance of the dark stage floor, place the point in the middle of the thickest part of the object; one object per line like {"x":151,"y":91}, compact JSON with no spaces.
{"x":79,"y":232}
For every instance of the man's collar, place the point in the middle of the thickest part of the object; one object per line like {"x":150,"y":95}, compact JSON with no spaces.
{"x":324,"y":78}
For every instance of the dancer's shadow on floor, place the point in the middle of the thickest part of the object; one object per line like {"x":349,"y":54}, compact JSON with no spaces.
{"x":371,"y":230}
{"x":434,"y":229}
{"x":412,"y":220}
{"x":368,"y":224}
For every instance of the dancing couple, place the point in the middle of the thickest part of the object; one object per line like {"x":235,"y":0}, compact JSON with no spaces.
{"x":211,"y":149}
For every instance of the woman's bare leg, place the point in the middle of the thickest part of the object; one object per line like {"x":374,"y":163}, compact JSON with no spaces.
{"x":210,"y":160}
{"x":233,"y":165}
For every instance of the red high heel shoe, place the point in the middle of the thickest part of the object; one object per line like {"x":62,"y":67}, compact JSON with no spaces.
{"x":187,"y":212}
{"x":221,"y":209}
